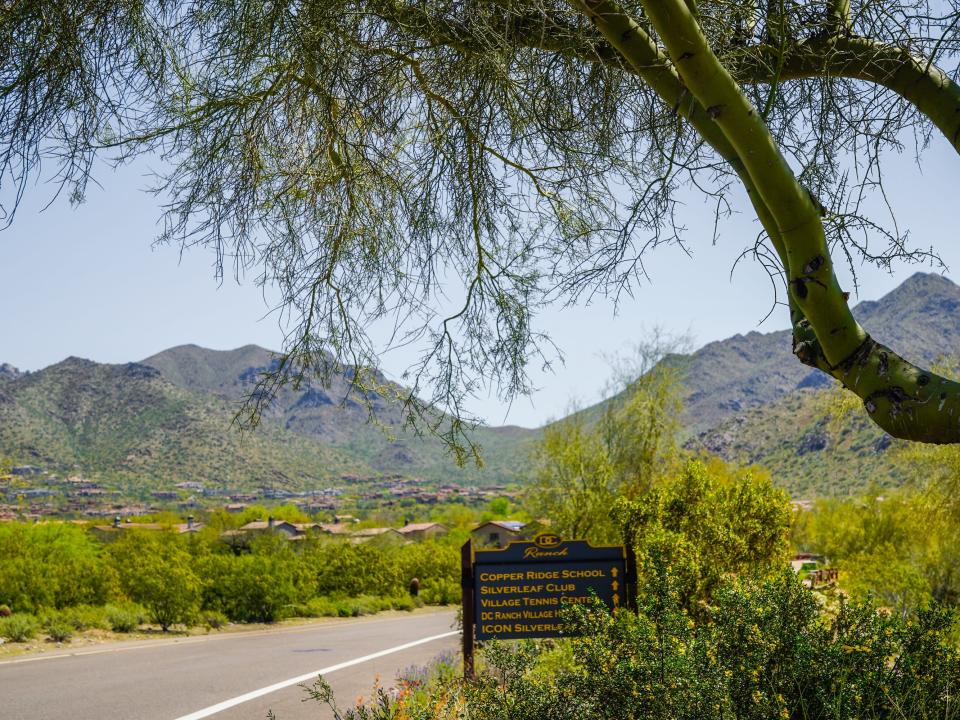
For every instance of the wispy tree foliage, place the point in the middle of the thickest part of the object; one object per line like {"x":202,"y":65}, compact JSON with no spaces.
{"x":444,"y":169}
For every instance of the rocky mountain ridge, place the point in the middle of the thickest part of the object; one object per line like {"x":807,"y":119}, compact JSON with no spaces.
{"x":747,"y":398}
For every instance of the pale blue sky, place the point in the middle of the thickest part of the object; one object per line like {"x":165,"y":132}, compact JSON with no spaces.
{"x":85,"y":281}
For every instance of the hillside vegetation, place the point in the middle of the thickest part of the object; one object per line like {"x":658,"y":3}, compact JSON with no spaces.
{"x":170,"y":417}
{"x":126,"y":423}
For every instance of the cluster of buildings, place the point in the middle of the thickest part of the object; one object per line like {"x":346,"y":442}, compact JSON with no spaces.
{"x":494,"y":533}
{"x":345,"y":528}
{"x":32,"y":493}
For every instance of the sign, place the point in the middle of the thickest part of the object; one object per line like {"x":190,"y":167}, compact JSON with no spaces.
{"x":521,"y":590}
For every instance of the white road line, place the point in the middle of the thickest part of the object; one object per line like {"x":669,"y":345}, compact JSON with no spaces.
{"x":226,"y":704}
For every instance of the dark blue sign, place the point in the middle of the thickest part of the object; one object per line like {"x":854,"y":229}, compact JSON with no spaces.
{"x":519,"y":591}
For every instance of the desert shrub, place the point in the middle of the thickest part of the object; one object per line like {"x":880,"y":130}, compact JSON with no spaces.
{"x":52,"y":565}
{"x":85,"y":617}
{"x":436,"y":563}
{"x":322,"y":607}
{"x":301,"y":610}
{"x":345,"y":608}
{"x":59,"y":630}
{"x":369,"y":604}
{"x":402,"y":602}
{"x":345,"y":570}
{"x":901,"y":547}
{"x":215,"y":620}
{"x":316,"y":607}
{"x":362,"y":605}
{"x":708,"y":521}
{"x":440,"y":591}
{"x":156,"y":571}
{"x":125,"y":618}
{"x":19,"y":627}
{"x":763,"y":650}
{"x":263,"y":586}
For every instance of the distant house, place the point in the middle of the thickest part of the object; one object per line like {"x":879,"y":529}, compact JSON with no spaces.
{"x":381,"y":534}
{"x":422,"y":531}
{"x":271,"y":525}
{"x":497,"y":533}
{"x":336,"y":528}
{"x":111,"y":532}
{"x":308,"y":527}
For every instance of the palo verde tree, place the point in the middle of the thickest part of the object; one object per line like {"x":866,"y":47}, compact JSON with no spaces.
{"x":363,"y":155}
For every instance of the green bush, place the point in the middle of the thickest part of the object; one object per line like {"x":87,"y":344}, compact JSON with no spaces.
{"x":368,"y":605}
{"x":125,"y":618}
{"x":85,"y":617}
{"x":253,"y":588}
{"x":156,"y":570}
{"x":53,"y":565}
{"x":402,"y":602}
{"x":323,"y":607}
{"x":764,"y":650}
{"x":326,"y":606}
{"x":59,"y":631}
{"x":19,"y":627}
{"x":354,"y":607}
{"x":215,"y":620}
{"x":320,"y":607}
{"x":440,"y":591}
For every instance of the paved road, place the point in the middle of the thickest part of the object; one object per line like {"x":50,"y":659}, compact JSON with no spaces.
{"x":191,"y":677}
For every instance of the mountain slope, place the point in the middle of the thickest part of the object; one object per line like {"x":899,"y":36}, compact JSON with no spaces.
{"x":748,"y":399}
{"x":806,"y":449}
{"x":338,"y":418}
{"x":918,"y":319}
{"x":169,"y":417}
{"x":127,"y":423}
{"x":791,"y":432}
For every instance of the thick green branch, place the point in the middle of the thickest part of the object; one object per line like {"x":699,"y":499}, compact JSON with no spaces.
{"x":906,"y":401}
{"x":646,"y":60}
{"x":838,"y":16}
{"x":915,"y":79}
{"x":796,"y":214}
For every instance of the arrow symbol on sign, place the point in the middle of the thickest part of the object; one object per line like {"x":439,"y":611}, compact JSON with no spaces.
{"x":613,"y":572}
{"x":616,"y":599}
{"x":615,"y":585}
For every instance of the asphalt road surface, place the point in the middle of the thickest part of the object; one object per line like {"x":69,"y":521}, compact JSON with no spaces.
{"x":226,"y":677}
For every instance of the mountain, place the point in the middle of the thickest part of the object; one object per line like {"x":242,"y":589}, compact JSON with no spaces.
{"x":919,"y":319}
{"x":127,"y":423}
{"x":789,"y":430}
{"x":336,"y":417}
{"x":749,"y":400}
{"x":807,"y":451}
{"x":169,"y":417}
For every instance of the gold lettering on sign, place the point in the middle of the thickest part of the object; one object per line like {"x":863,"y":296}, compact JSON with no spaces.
{"x":535,"y":552}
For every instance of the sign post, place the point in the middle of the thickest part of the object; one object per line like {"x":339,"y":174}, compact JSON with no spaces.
{"x":466,"y":586}
{"x":519,"y":591}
